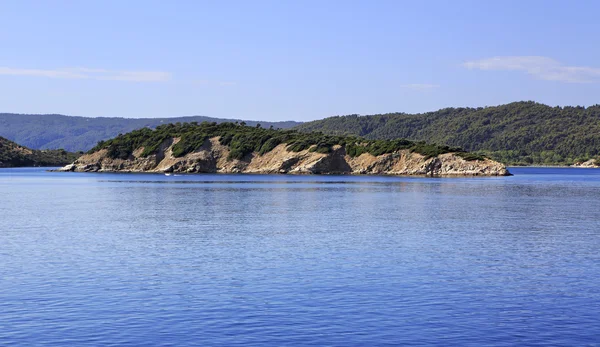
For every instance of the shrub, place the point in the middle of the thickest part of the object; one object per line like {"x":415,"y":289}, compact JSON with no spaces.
{"x":470,"y":156}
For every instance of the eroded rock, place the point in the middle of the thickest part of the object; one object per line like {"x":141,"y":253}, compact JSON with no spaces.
{"x":212,"y":158}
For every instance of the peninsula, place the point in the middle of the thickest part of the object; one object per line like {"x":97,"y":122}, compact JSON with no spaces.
{"x":237,"y":148}
{"x":14,"y":155}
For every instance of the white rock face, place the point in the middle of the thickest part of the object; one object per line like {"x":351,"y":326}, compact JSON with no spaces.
{"x":592,"y":163}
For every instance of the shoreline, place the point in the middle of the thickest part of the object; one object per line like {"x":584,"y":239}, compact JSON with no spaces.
{"x":507,"y":166}
{"x":291,"y":174}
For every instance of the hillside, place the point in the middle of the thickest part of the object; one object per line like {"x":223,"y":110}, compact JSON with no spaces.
{"x":50,"y":131}
{"x":233,"y":148}
{"x":517,"y":133}
{"x":13,"y":155}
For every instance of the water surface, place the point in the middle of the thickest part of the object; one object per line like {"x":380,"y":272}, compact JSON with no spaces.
{"x":144,"y":259}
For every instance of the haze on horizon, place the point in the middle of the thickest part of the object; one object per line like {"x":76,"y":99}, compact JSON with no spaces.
{"x":284,"y":60}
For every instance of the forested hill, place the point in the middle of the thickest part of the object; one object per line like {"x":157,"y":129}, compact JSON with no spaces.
{"x":244,"y":140}
{"x":50,"y":131}
{"x":234,"y":148}
{"x":13,"y":155}
{"x":516,"y":133}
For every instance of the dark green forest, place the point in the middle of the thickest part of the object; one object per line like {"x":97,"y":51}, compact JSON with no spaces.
{"x":243,"y":140}
{"x":51,"y":131}
{"x":520,"y":133}
{"x":13,"y":155}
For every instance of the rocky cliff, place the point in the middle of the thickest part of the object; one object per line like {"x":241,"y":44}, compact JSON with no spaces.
{"x":212,"y":158}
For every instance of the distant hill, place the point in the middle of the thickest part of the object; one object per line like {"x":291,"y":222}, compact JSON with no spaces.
{"x":13,"y":155}
{"x":516,"y":133}
{"x":52,"y":131}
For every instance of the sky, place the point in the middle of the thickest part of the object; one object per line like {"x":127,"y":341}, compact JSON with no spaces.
{"x":293,"y":60}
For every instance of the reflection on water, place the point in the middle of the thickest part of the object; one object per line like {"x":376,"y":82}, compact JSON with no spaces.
{"x":100,"y":259}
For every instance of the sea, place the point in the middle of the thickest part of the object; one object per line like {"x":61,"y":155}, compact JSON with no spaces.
{"x":90,"y":259}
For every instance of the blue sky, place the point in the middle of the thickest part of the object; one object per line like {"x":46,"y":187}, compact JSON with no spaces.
{"x":293,"y":60}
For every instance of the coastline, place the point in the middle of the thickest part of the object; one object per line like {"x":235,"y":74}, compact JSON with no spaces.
{"x":214,"y":157}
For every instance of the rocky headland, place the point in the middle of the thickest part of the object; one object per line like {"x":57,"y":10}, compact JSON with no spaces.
{"x":214,"y":157}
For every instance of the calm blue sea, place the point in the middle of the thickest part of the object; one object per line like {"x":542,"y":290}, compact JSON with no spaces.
{"x":249,"y":260}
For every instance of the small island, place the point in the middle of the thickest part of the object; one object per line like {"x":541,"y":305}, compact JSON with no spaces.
{"x":237,"y":148}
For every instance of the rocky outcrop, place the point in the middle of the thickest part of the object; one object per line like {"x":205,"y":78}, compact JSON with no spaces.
{"x":212,"y":158}
{"x":592,"y":164}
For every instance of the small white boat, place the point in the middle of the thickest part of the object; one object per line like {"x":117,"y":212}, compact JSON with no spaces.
{"x":168,"y":174}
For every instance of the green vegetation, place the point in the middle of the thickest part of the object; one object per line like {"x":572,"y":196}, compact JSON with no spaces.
{"x":244,"y":140}
{"x":520,"y":133}
{"x":13,"y":155}
{"x":50,"y":131}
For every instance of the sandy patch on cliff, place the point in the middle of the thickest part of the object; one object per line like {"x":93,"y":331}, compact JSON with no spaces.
{"x":280,"y":160}
{"x":93,"y":157}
